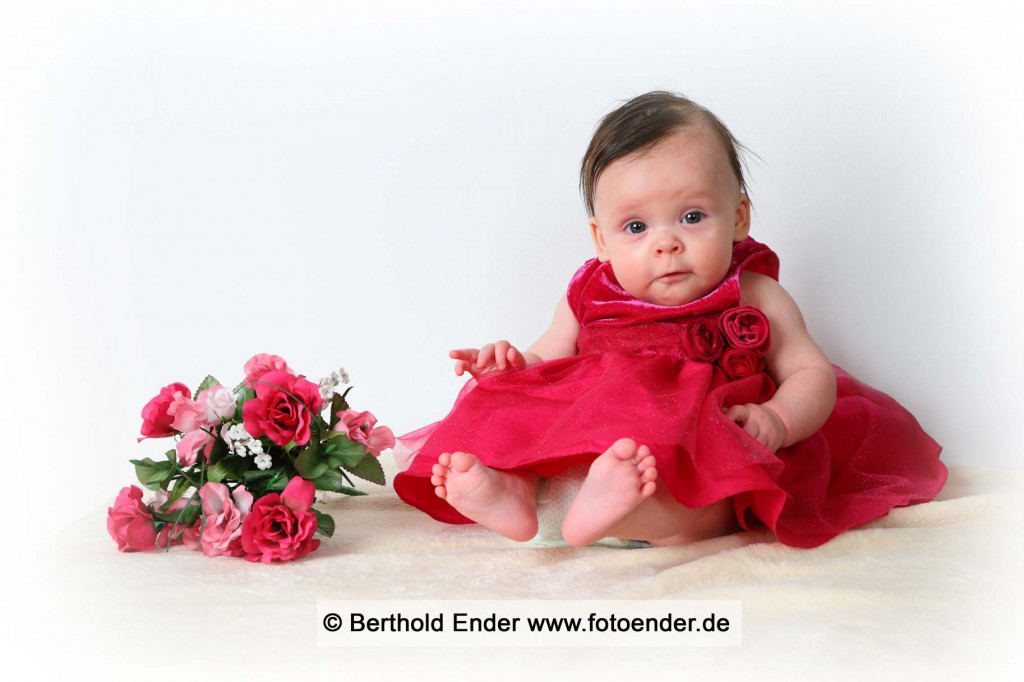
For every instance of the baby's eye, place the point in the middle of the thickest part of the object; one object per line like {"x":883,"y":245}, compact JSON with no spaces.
{"x":635,"y":227}
{"x":693,"y":217}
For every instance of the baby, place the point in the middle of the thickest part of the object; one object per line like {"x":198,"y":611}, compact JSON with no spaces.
{"x":676,"y":369}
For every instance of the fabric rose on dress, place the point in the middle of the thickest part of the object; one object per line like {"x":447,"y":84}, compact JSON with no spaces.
{"x":281,"y":527}
{"x":225,"y":511}
{"x":194,"y":442}
{"x":360,"y":427}
{"x":275,"y":414}
{"x":701,"y":340}
{"x":156,"y":420}
{"x":746,"y":328}
{"x":260,"y":364}
{"x":130,"y":523}
{"x":738,"y":363}
{"x":218,"y":402}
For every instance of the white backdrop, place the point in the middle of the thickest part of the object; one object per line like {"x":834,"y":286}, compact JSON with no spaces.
{"x":184,"y":185}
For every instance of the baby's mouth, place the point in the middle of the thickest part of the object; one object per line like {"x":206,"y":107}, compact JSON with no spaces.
{"x":670,"y":277}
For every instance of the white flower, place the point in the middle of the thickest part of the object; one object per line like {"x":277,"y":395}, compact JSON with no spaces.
{"x":256,"y":447}
{"x":220,"y":404}
{"x":263,"y":461}
{"x":327,"y":389}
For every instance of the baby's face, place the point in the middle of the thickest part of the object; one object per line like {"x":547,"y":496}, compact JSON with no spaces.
{"x":667,"y":219}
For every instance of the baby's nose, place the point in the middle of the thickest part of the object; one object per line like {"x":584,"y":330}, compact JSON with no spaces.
{"x":668,"y":244}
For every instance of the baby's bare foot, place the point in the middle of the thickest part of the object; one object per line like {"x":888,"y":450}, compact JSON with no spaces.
{"x":503,"y":501}
{"x":617,"y":482}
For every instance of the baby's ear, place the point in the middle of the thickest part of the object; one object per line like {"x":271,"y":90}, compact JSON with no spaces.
{"x":595,"y":234}
{"x":742,"y":226}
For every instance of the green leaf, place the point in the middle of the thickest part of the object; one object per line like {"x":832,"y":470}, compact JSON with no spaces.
{"x":230,"y":468}
{"x":219,"y":451}
{"x":369,"y":469}
{"x":346,"y":453}
{"x":324,"y":523}
{"x":328,"y":480}
{"x":261,"y":482}
{"x":151,"y":474}
{"x":291,"y":445}
{"x":180,"y":486}
{"x":308,"y":463}
{"x":184,"y":517}
{"x":349,"y":491}
{"x":207,"y":382}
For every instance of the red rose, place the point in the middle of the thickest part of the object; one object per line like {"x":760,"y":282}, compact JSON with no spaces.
{"x":274,"y":413}
{"x":156,"y":422}
{"x":738,"y":363}
{"x":281,"y":527}
{"x":746,"y":328}
{"x":701,"y":341}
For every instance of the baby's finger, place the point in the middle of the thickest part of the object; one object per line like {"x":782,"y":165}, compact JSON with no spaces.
{"x":461,"y":367}
{"x":485,"y":355}
{"x":501,"y":353}
{"x":468,"y":354}
{"x":515,"y":358}
{"x":738,"y":414}
{"x":753,"y":429}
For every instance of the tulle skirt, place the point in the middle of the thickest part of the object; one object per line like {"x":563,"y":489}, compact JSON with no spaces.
{"x":869,"y":457}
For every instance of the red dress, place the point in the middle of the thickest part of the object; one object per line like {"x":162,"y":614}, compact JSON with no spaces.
{"x":662,"y":376}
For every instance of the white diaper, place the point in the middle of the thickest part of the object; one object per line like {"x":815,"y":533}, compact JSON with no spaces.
{"x":554,"y":497}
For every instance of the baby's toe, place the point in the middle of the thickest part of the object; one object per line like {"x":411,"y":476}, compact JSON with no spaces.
{"x":624,"y":448}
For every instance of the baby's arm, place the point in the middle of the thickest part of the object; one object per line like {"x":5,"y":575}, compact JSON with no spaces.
{"x":806,"y":382}
{"x":559,"y":341}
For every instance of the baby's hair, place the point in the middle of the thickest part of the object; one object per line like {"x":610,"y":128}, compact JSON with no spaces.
{"x":641,"y":123}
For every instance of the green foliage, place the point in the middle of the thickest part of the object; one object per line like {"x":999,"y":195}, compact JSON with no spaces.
{"x":369,"y":469}
{"x":329,"y":480}
{"x":309,"y":464}
{"x":152,"y":474}
{"x":344,"y":453}
{"x":207,"y":383}
{"x":229,"y":468}
{"x":324,"y":523}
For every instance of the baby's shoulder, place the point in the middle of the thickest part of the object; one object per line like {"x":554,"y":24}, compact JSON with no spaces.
{"x":757,"y":289}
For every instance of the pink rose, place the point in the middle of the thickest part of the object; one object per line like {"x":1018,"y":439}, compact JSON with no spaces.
{"x":191,"y":444}
{"x":224,"y":513}
{"x":156,"y":420}
{"x":218,"y":402}
{"x":275,"y":414}
{"x":738,"y":363}
{"x":358,"y":427}
{"x":746,"y":328}
{"x":701,"y":341}
{"x":281,"y":527}
{"x":130,"y":523}
{"x":260,"y":364}
{"x":187,"y":414}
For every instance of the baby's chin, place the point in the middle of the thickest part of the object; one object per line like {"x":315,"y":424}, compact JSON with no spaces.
{"x":667,"y":300}
{"x":672,"y":296}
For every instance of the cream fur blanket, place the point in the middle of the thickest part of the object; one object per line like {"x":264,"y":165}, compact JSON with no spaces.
{"x":932,"y":590}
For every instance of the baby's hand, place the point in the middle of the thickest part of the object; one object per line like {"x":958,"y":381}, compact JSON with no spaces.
{"x":760,"y":422}
{"x":501,"y":355}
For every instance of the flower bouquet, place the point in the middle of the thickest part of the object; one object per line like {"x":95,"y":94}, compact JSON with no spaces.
{"x":241,"y":478}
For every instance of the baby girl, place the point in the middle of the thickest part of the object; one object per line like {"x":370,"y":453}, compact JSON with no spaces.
{"x":677,"y":373}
